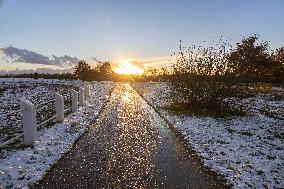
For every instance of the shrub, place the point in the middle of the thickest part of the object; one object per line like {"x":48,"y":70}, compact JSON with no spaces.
{"x":200,"y":78}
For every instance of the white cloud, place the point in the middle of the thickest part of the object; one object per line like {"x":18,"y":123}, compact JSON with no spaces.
{"x":14,"y":55}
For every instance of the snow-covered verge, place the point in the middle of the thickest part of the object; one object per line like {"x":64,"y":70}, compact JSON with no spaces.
{"x":269,"y":103}
{"x":22,"y":168}
{"x":247,"y":151}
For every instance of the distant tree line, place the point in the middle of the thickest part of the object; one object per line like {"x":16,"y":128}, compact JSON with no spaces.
{"x":101,"y":72}
{"x":35,"y":75}
{"x":83,"y":71}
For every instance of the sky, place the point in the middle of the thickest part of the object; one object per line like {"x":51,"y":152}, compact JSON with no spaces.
{"x":138,"y":30}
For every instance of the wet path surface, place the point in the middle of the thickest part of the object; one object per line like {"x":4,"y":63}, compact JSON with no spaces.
{"x":129,"y":147}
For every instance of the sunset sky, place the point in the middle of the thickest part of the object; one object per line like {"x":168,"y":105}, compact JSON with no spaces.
{"x":126,"y":29}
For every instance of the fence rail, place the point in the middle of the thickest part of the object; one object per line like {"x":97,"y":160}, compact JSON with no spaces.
{"x":28,"y":111}
{"x":44,"y":103}
{"x":11,"y":113}
{"x":11,"y":140}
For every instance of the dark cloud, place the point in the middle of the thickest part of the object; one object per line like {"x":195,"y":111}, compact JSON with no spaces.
{"x":23,"y":55}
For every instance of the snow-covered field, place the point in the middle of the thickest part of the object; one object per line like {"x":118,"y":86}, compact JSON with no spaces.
{"x":270,"y":103}
{"x":36,"y":92}
{"x":19,"y":168}
{"x":248,"y":151}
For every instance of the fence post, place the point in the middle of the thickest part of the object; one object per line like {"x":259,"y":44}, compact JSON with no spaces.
{"x":74,"y":100}
{"x":29,"y":122}
{"x":59,"y":107}
{"x":87,"y":90}
{"x":81,"y":96}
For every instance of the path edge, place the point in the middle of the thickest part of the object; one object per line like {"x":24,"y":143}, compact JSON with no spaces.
{"x":179,"y":134}
{"x":87,"y":130}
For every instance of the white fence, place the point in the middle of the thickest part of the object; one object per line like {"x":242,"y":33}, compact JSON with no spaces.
{"x":28,"y":114}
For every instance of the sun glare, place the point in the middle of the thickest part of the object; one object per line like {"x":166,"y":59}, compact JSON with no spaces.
{"x":127,"y":67}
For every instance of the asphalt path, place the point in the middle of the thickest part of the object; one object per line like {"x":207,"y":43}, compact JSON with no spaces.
{"x":129,"y":146}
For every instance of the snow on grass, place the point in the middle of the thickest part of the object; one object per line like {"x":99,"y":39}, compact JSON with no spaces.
{"x":22,"y":168}
{"x":157,"y":93}
{"x":270,"y":103}
{"x":247,"y":151}
{"x":35,"y":92}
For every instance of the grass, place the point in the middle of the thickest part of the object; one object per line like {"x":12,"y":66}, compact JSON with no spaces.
{"x":16,"y":145}
{"x":186,"y":109}
{"x":2,"y":90}
{"x":74,"y":127}
{"x":246,"y":133}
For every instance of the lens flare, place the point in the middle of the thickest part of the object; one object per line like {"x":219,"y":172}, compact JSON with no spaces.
{"x":127,"y":67}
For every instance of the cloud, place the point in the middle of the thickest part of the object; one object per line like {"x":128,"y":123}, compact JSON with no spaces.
{"x":95,"y":59}
{"x":146,"y":62}
{"x":25,"y":56}
{"x":136,"y":63}
{"x":155,"y":61}
{"x":27,"y":61}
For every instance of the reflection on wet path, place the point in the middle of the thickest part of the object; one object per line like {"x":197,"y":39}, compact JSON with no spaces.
{"x":128,"y":147}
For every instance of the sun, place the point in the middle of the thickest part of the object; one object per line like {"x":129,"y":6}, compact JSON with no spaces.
{"x":126,"y":67}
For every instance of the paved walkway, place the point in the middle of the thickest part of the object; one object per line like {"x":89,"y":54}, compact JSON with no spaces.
{"x":128,"y":148}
